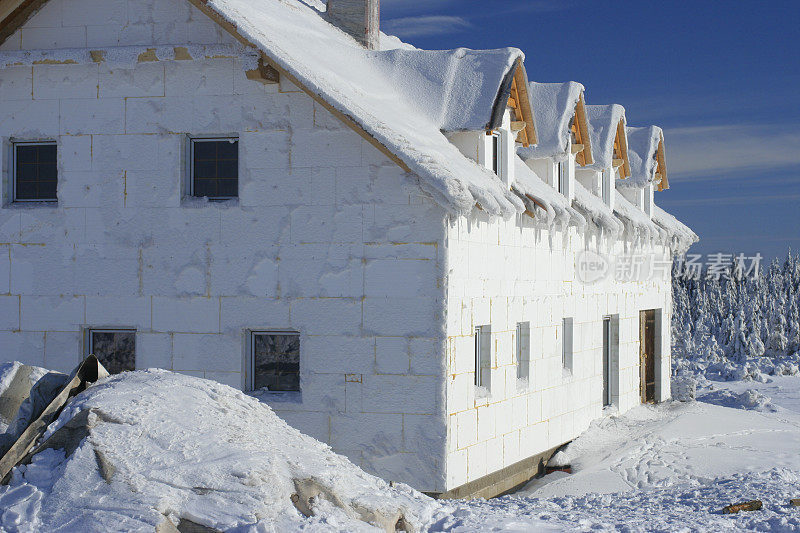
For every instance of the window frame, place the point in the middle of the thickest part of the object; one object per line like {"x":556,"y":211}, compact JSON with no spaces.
{"x":89,"y":340}
{"x":483,"y":334}
{"x":523,"y":350}
{"x":14,"y":143}
{"x":190,"y":164}
{"x":250,"y":368}
{"x":496,"y":154}
{"x":568,"y":344}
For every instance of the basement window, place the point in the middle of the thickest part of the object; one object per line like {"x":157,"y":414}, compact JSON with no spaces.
{"x":274,"y":361}
{"x":35,"y":171}
{"x":114,"y":348}
{"x":483,"y":356}
{"x":215,"y":168}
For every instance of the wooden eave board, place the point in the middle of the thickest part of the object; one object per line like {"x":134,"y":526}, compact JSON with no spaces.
{"x":15,"y":13}
{"x":583,"y":129}
{"x":662,"y":165}
{"x":622,"y":142}
{"x":523,"y":101}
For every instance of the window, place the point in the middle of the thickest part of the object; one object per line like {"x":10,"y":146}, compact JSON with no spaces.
{"x":566,"y":344}
{"x":35,"y":171}
{"x":275,"y":361}
{"x":215,"y":168}
{"x":483,"y":356}
{"x":560,"y":178}
{"x":114,"y":348}
{"x":647,"y":198}
{"x":606,"y":188}
{"x":606,"y":361}
{"x":496,"y":153}
{"x":523,"y":349}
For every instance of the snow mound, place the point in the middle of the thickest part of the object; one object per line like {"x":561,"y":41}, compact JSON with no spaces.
{"x":150,"y":446}
{"x":751,"y":400}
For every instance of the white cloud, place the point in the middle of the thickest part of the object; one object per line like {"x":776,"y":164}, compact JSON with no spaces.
{"x":425,"y":25}
{"x":711,"y":152}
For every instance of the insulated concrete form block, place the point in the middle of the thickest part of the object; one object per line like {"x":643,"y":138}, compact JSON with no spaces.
{"x":419,"y":278}
{"x":323,"y":148}
{"x":401,"y":394}
{"x":62,"y":82}
{"x":391,"y":355}
{"x":62,"y":350}
{"x":258,"y":314}
{"x":153,"y":350}
{"x":27,"y":347}
{"x":200,"y":77}
{"x":125,"y":312}
{"x":336,"y":353}
{"x":16,"y":83}
{"x":29,"y":119}
{"x":9,"y":313}
{"x":186,"y":315}
{"x":46,"y":38}
{"x":309,"y":315}
{"x":378,"y":433}
{"x":52,"y":313}
{"x":206,"y":352}
{"x":144,"y":79}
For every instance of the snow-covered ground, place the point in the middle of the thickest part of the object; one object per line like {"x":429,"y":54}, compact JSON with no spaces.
{"x":670,"y":467}
{"x":164,"y":446}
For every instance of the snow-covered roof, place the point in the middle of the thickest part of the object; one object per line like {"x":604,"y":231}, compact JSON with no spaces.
{"x":606,"y":124}
{"x":646,"y":155}
{"x":681,"y":236}
{"x":399,"y":99}
{"x":535,"y":193}
{"x":456,"y":89}
{"x":554,"y":106}
{"x":596,"y":211}
{"x":637,"y":224}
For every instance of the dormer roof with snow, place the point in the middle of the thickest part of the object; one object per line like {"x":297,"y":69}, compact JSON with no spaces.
{"x":398,"y":98}
{"x":561,"y":122}
{"x":608,"y":137}
{"x":647,"y":158}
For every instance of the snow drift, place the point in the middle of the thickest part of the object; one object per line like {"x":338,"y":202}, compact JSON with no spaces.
{"x":152,"y":446}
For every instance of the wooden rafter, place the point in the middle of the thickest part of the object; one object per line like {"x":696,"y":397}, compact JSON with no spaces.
{"x":15,"y":13}
{"x":521,"y":103}
{"x":661,"y":168}
{"x":581,"y":127}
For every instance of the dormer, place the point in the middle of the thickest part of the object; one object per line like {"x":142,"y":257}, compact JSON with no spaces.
{"x":610,"y":151}
{"x":511,"y":125}
{"x":563,"y":134}
{"x":648,"y":167}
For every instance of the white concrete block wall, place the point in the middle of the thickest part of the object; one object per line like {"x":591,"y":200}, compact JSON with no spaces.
{"x":328,"y":237}
{"x":504,"y":272}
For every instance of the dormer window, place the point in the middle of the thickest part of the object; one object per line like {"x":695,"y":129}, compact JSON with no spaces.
{"x":496,"y":152}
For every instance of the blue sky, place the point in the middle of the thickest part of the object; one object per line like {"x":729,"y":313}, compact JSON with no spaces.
{"x":721,"y":77}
